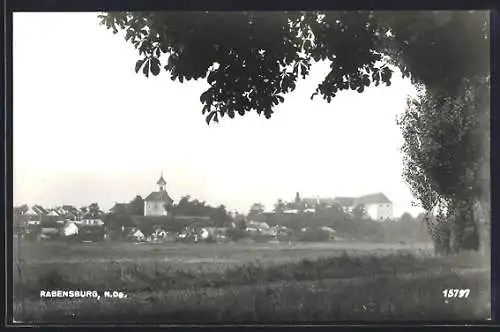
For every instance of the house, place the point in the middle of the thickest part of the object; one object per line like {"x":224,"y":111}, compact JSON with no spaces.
{"x":54,"y":213}
{"x":149,"y":224}
{"x":30,"y":217}
{"x":92,"y":222}
{"x":310,"y":202}
{"x":68,"y":212}
{"x":259,"y":226}
{"x":70,"y":229}
{"x":18,"y":211}
{"x":377,"y":206}
{"x":218,"y":234}
{"x":346,"y":203}
{"x":327,"y":201}
{"x":39,"y":210}
{"x":57,"y":215}
{"x":157,"y":203}
{"x":313,"y":203}
{"x":71,"y":212}
{"x":330,"y":231}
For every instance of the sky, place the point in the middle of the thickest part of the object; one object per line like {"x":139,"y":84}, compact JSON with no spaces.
{"x":87,"y":129}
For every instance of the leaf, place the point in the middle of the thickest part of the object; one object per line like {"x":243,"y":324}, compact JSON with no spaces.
{"x":429,"y":54}
{"x":211,"y":77}
{"x":205,"y":109}
{"x":204,"y":96}
{"x":145,"y":69}
{"x":155,"y":66}
{"x":139,"y":64}
{"x":209,"y":117}
{"x":129,"y":34}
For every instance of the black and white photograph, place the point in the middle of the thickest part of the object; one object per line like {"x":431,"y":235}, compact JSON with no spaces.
{"x":251,"y":167}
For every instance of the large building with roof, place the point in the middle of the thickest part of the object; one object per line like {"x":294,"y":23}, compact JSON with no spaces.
{"x":377,"y":206}
{"x":158,"y":202}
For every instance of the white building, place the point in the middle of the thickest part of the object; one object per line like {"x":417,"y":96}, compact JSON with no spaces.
{"x":157,"y":202}
{"x":377,"y":206}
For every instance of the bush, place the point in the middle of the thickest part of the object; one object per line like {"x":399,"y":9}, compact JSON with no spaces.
{"x":314,"y":235}
{"x":235,"y":234}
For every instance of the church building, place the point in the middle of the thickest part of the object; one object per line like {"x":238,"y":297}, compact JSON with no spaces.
{"x":158,"y":202}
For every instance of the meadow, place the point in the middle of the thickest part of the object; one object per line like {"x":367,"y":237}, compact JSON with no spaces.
{"x":245,"y":283}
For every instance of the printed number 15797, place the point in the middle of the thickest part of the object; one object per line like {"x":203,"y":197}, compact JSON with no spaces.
{"x":456,"y":293}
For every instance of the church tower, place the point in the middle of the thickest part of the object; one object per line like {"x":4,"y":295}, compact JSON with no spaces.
{"x":158,"y":202}
{"x":161,"y":183}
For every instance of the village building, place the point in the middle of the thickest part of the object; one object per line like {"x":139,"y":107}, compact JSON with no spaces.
{"x":39,"y":210}
{"x":346,"y":203}
{"x":71,"y":212}
{"x":377,"y":206}
{"x":31,"y":217}
{"x":158,"y":202}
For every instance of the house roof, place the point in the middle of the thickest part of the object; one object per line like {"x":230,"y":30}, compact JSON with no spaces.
{"x":310,"y":201}
{"x":327,"y":200}
{"x":31,"y":212}
{"x":159,"y":196}
{"x":39,"y":210}
{"x":53,"y":213}
{"x":371,"y":199}
{"x":345,"y":201}
{"x":71,"y":209}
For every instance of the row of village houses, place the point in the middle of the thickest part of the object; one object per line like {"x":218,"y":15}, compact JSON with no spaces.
{"x":65,"y":212}
{"x":68,"y":220}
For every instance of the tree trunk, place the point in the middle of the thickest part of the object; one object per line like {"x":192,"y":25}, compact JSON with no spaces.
{"x":466,"y":226}
{"x":484,"y":224}
{"x":440,"y":232}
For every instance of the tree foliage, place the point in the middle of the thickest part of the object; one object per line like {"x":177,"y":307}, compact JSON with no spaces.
{"x":256,"y":208}
{"x":407,"y":218}
{"x":93,"y":212}
{"x":24,"y":208}
{"x":193,"y":207}
{"x":279,"y":206}
{"x":136,"y":206}
{"x":446,"y":152}
{"x":359,"y":212}
{"x":253,"y":59}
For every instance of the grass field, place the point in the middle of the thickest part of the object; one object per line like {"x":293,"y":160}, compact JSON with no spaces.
{"x":186,"y":283}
